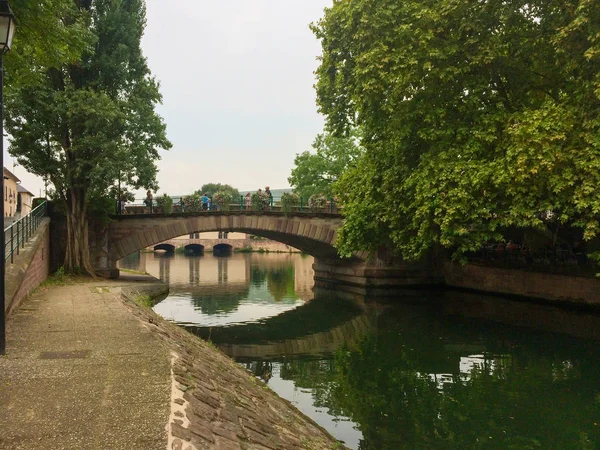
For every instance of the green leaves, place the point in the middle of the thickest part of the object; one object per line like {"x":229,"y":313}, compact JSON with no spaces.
{"x":50,"y":33}
{"x":211,"y":188}
{"x":87,"y":119}
{"x":476,"y":117}
{"x":80,"y":106}
{"x":316,"y":173}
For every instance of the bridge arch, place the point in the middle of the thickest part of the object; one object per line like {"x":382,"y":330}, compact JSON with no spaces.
{"x":222,"y":249}
{"x":314,"y":234}
{"x":166,"y":247}
{"x":196,"y":249}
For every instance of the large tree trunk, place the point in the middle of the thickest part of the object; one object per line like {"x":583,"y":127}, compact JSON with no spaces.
{"x":77,"y":256}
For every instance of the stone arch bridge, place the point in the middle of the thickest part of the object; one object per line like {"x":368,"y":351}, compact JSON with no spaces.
{"x":312,"y":233}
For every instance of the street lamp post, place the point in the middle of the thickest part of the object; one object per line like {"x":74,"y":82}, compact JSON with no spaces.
{"x":7,"y":30}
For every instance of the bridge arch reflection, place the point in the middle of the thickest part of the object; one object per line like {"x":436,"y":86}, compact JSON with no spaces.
{"x":318,"y":327}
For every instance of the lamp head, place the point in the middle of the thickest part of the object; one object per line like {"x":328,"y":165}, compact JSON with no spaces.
{"x":8,"y":24}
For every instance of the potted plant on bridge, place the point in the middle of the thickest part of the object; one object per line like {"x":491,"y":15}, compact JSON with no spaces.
{"x":165,"y":203}
{"x":260,"y":201}
{"x":222,"y":200}
{"x":289,"y":201}
{"x":317,"y":202}
{"x":193,"y":203}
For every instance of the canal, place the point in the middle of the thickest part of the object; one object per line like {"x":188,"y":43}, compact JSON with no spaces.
{"x":422,"y":369}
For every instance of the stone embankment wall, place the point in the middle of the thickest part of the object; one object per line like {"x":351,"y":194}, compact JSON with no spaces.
{"x":217,"y":404}
{"x":523,"y":283}
{"x":30,"y":268}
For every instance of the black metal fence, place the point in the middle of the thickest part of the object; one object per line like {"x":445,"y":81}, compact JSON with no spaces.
{"x":20,"y":232}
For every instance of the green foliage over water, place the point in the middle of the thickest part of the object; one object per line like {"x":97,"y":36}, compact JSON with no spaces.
{"x":476,"y":117}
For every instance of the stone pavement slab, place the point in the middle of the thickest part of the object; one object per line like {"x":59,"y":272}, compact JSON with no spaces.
{"x":82,"y":372}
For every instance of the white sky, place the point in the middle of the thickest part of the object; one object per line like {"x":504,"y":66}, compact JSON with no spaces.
{"x":237,"y":83}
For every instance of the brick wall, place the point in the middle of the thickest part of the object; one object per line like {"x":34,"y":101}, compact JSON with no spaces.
{"x":30,"y":268}
{"x":544,"y":286}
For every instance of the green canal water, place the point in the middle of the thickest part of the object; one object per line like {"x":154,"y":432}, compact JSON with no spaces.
{"x":422,"y":369}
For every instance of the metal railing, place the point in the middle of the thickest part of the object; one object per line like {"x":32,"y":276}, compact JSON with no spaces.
{"x":142,"y":206}
{"x":20,"y":232}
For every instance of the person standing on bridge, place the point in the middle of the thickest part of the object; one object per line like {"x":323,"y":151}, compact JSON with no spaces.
{"x":205,"y":201}
{"x":270,"y":196}
{"x":148,"y":201}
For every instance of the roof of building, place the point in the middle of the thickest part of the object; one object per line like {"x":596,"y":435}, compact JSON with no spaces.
{"x":9,"y":174}
{"x":22,"y":190}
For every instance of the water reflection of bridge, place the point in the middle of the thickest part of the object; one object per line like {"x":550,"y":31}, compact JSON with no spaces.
{"x":318,"y":344}
{"x":319,"y":327}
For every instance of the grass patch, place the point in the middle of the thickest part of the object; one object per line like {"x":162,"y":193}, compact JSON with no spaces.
{"x":136,"y":272}
{"x":145,"y":301}
{"x":60,"y":278}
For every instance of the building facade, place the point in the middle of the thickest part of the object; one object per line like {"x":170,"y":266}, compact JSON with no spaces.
{"x":10,"y":193}
{"x":24,"y":200}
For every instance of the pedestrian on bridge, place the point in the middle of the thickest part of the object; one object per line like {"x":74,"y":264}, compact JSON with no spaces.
{"x":148,"y":201}
{"x":270,"y":196}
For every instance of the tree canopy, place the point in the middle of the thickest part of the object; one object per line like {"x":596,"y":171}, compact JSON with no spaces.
{"x":476,"y":116}
{"x":49,"y":33}
{"x":84,"y":124}
{"x":210,"y":189}
{"x":315,"y":173}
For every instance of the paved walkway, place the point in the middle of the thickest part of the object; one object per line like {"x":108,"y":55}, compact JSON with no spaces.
{"x":87,"y":368}
{"x":82,"y":372}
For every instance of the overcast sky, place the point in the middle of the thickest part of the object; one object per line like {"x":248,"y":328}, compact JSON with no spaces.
{"x":237,"y":84}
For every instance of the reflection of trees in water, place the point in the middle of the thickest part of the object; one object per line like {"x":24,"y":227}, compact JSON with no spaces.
{"x":280,"y":279}
{"x":223,"y":302}
{"x":505,"y":402}
{"x":258,"y":275}
{"x":261,"y":369}
{"x":281,"y":282}
{"x":319,"y":376}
